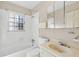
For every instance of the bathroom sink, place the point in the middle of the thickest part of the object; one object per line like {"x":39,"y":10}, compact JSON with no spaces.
{"x":55,"y":48}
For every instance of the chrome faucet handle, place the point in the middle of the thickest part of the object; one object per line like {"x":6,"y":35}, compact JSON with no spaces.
{"x":76,"y":37}
{"x":63,"y":44}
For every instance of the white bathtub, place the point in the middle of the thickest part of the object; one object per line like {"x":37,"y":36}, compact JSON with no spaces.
{"x":30,"y":52}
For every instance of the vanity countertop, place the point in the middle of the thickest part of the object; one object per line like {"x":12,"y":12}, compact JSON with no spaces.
{"x":59,"y":51}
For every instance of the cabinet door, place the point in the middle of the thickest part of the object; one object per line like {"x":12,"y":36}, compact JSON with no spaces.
{"x":59,"y":14}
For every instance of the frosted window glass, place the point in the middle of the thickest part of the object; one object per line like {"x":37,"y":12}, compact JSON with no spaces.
{"x":16,"y":22}
{"x":11,"y":19}
{"x":11,"y":28}
{"x":11,"y":24}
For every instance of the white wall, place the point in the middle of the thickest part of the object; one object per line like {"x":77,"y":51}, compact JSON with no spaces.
{"x":35,"y":26}
{"x":14,"y":41}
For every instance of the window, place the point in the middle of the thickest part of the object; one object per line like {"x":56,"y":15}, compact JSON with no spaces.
{"x":15,"y":22}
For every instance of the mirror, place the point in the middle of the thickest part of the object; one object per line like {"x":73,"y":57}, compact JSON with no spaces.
{"x":59,"y":14}
{"x":72,"y":14}
{"x":62,"y":14}
{"x":43,"y":24}
{"x":55,"y":16}
{"x":51,"y":22}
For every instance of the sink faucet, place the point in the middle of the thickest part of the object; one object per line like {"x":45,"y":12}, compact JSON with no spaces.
{"x":46,"y":38}
{"x":63,"y":44}
{"x":76,"y":37}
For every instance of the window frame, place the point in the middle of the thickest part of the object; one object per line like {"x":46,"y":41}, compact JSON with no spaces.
{"x":14,"y":25}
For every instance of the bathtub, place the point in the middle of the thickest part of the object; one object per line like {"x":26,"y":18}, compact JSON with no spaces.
{"x":29,"y":52}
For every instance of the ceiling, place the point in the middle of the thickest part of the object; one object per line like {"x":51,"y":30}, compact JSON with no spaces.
{"x":26,"y":4}
{"x":32,"y":4}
